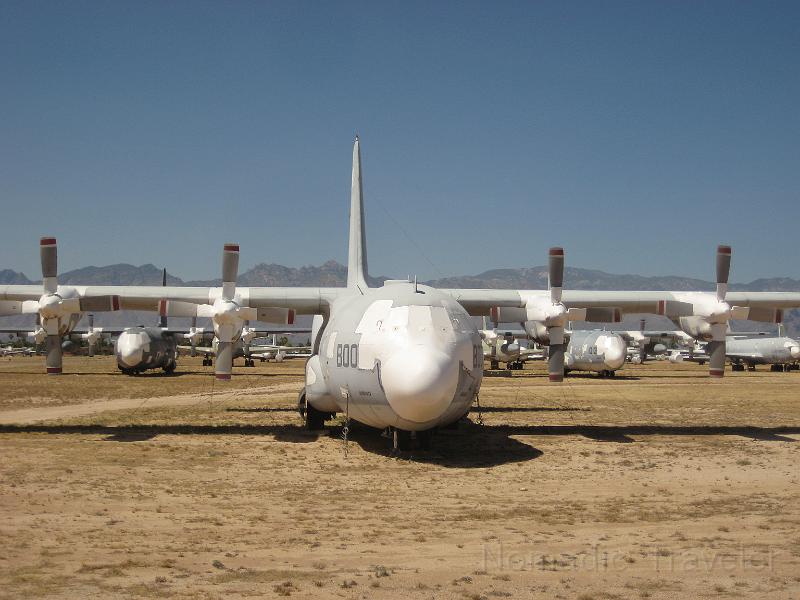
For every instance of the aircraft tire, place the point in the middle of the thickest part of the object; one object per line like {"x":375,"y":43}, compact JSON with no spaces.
{"x":169,"y":369}
{"x":315,"y":419}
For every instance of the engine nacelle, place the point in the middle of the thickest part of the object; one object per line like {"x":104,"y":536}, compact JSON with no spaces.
{"x":697,"y":327}
{"x":537,"y":331}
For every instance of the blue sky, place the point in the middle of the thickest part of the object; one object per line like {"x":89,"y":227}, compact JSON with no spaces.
{"x":637,"y":135}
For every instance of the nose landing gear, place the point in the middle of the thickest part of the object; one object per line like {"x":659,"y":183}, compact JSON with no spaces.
{"x":405,"y":441}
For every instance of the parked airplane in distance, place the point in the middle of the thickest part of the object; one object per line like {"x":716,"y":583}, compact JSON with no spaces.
{"x":507,"y":348}
{"x":744,"y":350}
{"x":602,"y":352}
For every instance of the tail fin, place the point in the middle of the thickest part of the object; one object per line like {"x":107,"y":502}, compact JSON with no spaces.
{"x":162,"y":322}
{"x":357,"y":252}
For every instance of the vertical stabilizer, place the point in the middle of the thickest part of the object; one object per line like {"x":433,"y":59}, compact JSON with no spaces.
{"x":357,"y":251}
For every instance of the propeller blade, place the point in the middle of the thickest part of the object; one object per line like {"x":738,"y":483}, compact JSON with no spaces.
{"x":723,"y":270}
{"x":224,"y":363}
{"x":230,"y":270}
{"x":54,"y":354}
{"x":48,"y":252}
{"x":555,"y":359}
{"x":555,"y":280}
{"x":716,"y":352}
{"x":555,"y":362}
{"x":91,"y":337}
{"x":193,"y":329}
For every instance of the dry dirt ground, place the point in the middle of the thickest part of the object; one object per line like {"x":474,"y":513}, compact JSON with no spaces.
{"x":658,"y":484}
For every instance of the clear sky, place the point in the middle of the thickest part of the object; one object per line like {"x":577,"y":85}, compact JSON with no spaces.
{"x":638,"y":135}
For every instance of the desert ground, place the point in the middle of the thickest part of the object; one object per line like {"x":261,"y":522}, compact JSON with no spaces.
{"x":659,"y":483}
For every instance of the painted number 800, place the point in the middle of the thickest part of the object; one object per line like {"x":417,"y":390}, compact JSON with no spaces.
{"x":347,"y":355}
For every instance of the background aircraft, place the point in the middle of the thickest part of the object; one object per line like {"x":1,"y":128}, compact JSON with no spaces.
{"x":599,"y":351}
{"x":506,"y":347}
{"x":783,"y":353}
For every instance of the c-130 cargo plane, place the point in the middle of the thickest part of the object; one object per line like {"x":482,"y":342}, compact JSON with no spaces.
{"x":403,"y":356}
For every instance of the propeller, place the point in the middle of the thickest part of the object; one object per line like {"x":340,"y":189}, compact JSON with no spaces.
{"x":719,"y":319}
{"x":57,"y":306}
{"x":226,"y":313}
{"x":555,"y":283}
{"x":194,"y":336}
{"x":92,"y":335}
{"x":229,"y":317}
{"x":643,"y":341}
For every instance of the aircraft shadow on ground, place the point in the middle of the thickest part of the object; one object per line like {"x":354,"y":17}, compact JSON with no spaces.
{"x":517,"y":409}
{"x":595,"y":376}
{"x":262,"y":409}
{"x":623,"y":433}
{"x":138,"y":433}
{"x":469,"y":446}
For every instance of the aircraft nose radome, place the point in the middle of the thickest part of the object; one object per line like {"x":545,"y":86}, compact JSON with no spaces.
{"x":795,"y":351}
{"x":615,"y":353}
{"x":419,"y":383}
{"x":129,"y":352}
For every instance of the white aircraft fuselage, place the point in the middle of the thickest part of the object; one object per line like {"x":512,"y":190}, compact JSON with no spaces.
{"x":597,"y":351}
{"x":404,"y":355}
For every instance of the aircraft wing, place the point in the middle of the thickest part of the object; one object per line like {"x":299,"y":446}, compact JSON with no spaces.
{"x":309,"y":301}
{"x":480,"y":302}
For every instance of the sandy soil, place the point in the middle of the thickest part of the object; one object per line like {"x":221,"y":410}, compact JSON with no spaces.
{"x":659,"y":484}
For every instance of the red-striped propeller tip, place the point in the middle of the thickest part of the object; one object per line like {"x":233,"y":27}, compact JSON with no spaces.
{"x":716,"y":372}
{"x":231,"y":247}
{"x":723,"y":249}
{"x":556,"y":377}
{"x":47,"y":241}
{"x":556,"y":252}
{"x":223,"y":377}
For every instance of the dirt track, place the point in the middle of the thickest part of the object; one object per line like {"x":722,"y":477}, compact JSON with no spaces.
{"x":662,"y":485}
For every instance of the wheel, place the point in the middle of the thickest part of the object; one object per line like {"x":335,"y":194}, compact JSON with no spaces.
{"x":314,"y":419}
{"x":612,"y":373}
{"x":401,"y":440}
{"x":494,"y":365}
{"x":169,"y":369}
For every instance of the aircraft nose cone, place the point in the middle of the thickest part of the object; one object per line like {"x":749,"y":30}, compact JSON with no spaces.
{"x":420,"y":383}
{"x":795,"y":351}
{"x":614,"y":355}
{"x":129,"y":352}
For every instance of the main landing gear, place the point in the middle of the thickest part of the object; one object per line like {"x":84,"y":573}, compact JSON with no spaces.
{"x":737,"y":367}
{"x":249,"y":362}
{"x":607,"y":373}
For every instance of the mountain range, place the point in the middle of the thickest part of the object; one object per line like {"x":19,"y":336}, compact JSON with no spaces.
{"x":334,"y":274}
